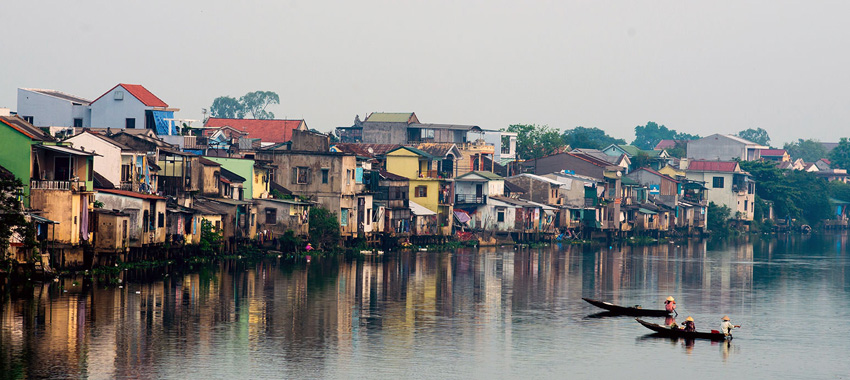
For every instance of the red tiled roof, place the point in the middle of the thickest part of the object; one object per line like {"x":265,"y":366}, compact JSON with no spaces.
{"x":667,"y":144}
{"x":139,"y":92}
{"x":773,"y":152}
{"x":713,"y":166}
{"x":131,"y":194}
{"x":272,"y":131}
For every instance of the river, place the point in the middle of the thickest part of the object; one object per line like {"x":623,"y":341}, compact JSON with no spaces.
{"x":472,"y":313}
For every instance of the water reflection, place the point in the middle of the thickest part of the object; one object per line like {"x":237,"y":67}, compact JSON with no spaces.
{"x":491,"y":312}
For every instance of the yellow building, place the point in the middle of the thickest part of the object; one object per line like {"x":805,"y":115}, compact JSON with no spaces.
{"x":426,"y":188}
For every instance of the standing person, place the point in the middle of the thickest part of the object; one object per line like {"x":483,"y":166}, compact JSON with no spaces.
{"x":689,"y":325}
{"x":670,"y":305}
{"x":726,"y":326}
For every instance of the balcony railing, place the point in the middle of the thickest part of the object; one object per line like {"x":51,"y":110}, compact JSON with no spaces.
{"x":57,"y":185}
{"x":470,"y":199}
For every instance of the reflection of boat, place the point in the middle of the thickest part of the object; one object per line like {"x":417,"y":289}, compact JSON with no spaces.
{"x":677,"y":333}
{"x":634,"y":311}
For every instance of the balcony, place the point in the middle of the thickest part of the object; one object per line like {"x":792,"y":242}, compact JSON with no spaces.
{"x":58,"y":185}
{"x":470,"y":199}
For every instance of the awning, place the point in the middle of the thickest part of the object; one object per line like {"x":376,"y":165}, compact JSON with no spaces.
{"x":66,"y":150}
{"x":419,"y":210}
{"x":41,"y":219}
{"x":645,"y":211}
{"x":462,"y":216}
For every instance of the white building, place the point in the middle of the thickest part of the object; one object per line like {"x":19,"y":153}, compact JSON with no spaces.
{"x":727,"y":185}
{"x":132,"y":106}
{"x":503,"y":142}
{"x":718,"y":147}
{"x":115,"y":161}
{"x":51,"y":108}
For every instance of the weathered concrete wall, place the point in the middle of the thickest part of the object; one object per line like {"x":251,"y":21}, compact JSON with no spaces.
{"x":384,"y":133}
{"x":62,"y":206}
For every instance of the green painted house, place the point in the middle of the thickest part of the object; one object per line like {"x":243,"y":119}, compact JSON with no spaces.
{"x":241,"y":166}
{"x":18,"y":137}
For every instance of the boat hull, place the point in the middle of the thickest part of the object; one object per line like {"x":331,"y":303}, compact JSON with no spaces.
{"x":624,"y":310}
{"x":671,"y":333}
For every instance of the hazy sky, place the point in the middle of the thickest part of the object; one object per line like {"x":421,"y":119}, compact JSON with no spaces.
{"x":698,"y":67}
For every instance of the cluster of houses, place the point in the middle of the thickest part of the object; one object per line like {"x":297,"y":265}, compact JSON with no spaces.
{"x":119,"y":176}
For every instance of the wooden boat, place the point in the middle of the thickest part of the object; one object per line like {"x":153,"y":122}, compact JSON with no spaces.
{"x":634,"y":311}
{"x":677,"y":333}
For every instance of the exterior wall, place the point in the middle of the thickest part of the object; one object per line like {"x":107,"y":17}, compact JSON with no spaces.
{"x":431,"y":200}
{"x":537,"y":191}
{"x":244,"y":168}
{"x":136,"y":207}
{"x":213,"y":219}
{"x":16,"y":156}
{"x":716,"y":147}
{"x":665,"y":186}
{"x":108,"y":164}
{"x":336,"y":195}
{"x":260,"y":180}
{"x":404,"y":163}
{"x":210,"y":183}
{"x":49,"y":111}
{"x":289,"y":216}
{"x":737,"y":202}
{"x":110,"y":233}
{"x":63,"y":206}
{"x":486,"y":217}
{"x":366,"y":209}
{"x":107,"y":112}
{"x":384,"y":132}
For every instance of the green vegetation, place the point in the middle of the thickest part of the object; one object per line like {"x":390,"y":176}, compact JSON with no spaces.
{"x":758,"y":136}
{"x":839,"y":156}
{"x":795,"y":194}
{"x":211,"y":239}
{"x":535,"y":141}
{"x":12,"y":220}
{"x":718,"y":219}
{"x":588,"y":138}
{"x":649,"y":135}
{"x":324,"y":228}
{"x":252,"y":104}
{"x":809,"y":150}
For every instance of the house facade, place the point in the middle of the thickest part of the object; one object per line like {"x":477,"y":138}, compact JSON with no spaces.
{"x":132,"y":106}
{"x":51,"y":108}
{"x":720,"y":147}
{"x":727,"y":185}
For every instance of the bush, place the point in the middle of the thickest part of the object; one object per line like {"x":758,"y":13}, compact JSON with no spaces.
{"x":324,"y":228}
{"x":210,"y":243}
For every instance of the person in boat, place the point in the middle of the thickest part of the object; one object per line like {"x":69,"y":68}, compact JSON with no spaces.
{"x":670,"y":305}
{"x":726,"y":326}
{"x":689,"y":325}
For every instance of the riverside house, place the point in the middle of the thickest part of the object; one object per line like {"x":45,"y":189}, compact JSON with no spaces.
{"x":727,"y":185}
{"x":427,"y":188}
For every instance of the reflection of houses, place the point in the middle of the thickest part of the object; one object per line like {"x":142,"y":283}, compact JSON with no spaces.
{"x":727,"y":185}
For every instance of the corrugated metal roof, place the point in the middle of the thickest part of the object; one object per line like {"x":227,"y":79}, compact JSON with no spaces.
{"x":131,"y":194}
{"x":419,"y":210}
{"x":66,"y":150}
{"x":392,"y":117}
{"x":60,"y":95}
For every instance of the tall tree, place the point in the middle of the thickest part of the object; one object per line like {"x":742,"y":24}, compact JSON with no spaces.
{"x":809,"y":150}
{"x":647,"y":136}
{"x":255,"y":103}
{"x":588,"y":138}
{"x":839,"y":156}
{"x":252,"y":104}
{"x":535,"y":141}
{"x":12,"y":220}
{"x":226,"y":107}
{"x":758,"y":136}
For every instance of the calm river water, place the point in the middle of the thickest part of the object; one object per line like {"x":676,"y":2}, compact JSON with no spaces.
{"x":485,"y":313}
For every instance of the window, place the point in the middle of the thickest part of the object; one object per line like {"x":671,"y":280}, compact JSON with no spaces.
{"x":349,"y":175}
{"x":421,"y":191}
{"x":125,"y":172}
{"x":160,"y":220}
{"x":368,"y":216}
{"x":325,"y":173}
{"x":426,"y":133}
{"x":78,"y":123}
{"x":218,"y":225}
{"x":145,"y":221}
{"x":500,"y":215}
{"x":746,"y":201}
{"x":717,"y":182}
{"x":343,"y":217}
{"x":28,"y":119}
{"x":271,"y":216}
{"x":301,"y":175}
{"x":130,"y":123}
{"x":253,"y":220}
{"x":506,"y":145}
